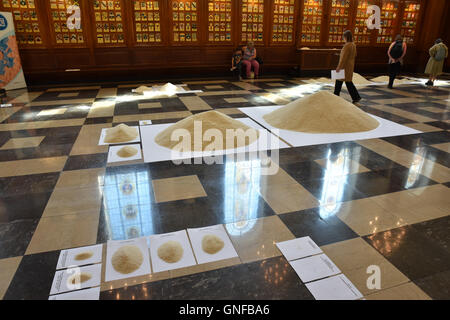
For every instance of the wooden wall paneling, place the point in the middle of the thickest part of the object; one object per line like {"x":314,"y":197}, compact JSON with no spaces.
{"x":41,"y":22}
{"x":265,"y":23}
{"x":293,"y":24}
{"x":236,"y":27}
{"x":403,"y":11}
{"x":89,"y":31}
{"x":209,"y":35}
{"x":165,"y":27}
{"x":445,"y":32}
{"x":73,"y":58}
{"x":430,"y":24}
{"x":203,"y":57}
{"x":342,"y":21}
{"x":37,"y":60}
{"x":383,"y":37}
{"x":375,"y":31}
{"x":84,"y":26}
{"x":323,"y":24}
{"x":45,"y":25}
{"x":118,"y":56}
{"x":114,"y":40}
{"x":369,"y":37}
{"x":430,"y":27}
{"x":149,"y":56}
{"x":199,"y":24}
{"x":148,"y":24}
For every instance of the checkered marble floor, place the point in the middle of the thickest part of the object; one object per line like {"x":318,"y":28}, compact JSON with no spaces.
{"x":387,"y":204}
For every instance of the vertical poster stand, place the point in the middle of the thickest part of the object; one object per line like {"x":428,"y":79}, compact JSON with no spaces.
{"x":11,"y":73}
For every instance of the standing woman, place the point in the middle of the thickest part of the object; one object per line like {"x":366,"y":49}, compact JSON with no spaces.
{"x":347,"y":62}
{"x":396,"y":53}
{"x":435,"y":64}
{"x":248,"y":60}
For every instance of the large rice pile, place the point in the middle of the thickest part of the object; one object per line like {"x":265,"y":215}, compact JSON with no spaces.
{"x":321,"y":112}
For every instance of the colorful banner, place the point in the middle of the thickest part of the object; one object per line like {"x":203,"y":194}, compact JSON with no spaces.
{"x":11,"y":73}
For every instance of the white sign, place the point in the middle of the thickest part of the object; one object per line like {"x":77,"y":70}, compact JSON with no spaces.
{"x":337,"y":75}
{"x":74,"y":17}
{"x":187,"y":257}
{"x":314,"y":268}
{"x":86,"y":294}
{"x":298,"y":248}
{"x":76,"y":279}
{"x":334,"y":288}
{"x":80,"y":256}
{"x":11,"y":73}
{"x":374,"y":21}
{"x":196,"y":236}
{"x":112,"y":274}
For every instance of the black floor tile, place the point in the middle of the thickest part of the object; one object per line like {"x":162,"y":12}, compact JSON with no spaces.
{"x":14,"y":208}
{"x":271,"y":279}
{"x":225,"y":86}
{"x":373,"y":183}
{"x":439,"y":124}
{"x":337,"y":187}
{"x":27,"y":114}
{"x":318,"y":223}
{"x":300,"y":154}
{"x":33,"y":278}
{"x":53,"y":95}
{"x":90,"y":161}
{"x":374,"y":161}
{"x":131,"y":107}
{"x":406,"y":178}
{"x":15,"y":237}
{"x":437,"y":155}
{"x":437,"y":286}
{"x":411,"y":252}
{"x":385,"y":115}
{"x":182,"y":214}
{"x":435,"y":137}
{"x":219,"y":101}
{"x":43,"y":151}
{"x":149,"y":291}
{"x":98,"y":120}
{"x":437,"y":231}
{"x":305,"y":171}
{"x":23,"y":185}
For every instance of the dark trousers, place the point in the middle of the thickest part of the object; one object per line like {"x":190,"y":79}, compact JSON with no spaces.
{"x":394,"y":70}
{"x":350,"y":87}
{"x":238,"y":71}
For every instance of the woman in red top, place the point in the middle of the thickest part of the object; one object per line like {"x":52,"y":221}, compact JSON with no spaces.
{"x":396,"y":62}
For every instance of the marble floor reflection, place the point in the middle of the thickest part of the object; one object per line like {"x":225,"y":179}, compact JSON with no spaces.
{"x":379,"y":201}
